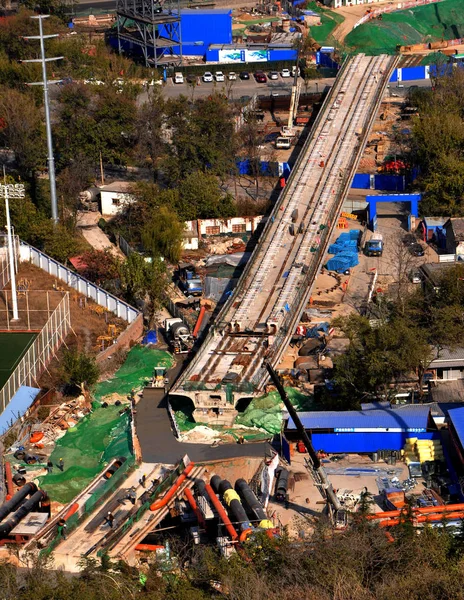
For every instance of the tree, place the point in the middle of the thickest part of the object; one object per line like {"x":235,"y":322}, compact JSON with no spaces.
{"x":144,"y":281}
{"x":151,"y":144}
{"x":79,"y":370}
{"x":99,"y":266}
{"x":162,"y":235}
{"x":200,"y":197}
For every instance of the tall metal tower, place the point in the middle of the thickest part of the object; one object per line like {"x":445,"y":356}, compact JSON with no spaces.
{"x":45,"y":83}
{"x":153,"y":26}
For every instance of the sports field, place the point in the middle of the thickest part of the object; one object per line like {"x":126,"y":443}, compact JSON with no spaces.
{"x":12,"y":348}
{"x":429,"y":23}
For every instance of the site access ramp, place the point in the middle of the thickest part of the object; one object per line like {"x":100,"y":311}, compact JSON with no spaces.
{"x":260,"y":317}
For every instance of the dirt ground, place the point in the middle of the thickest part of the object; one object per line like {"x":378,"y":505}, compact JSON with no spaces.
{"x":306,"y":502}
{"x":88,"y":319}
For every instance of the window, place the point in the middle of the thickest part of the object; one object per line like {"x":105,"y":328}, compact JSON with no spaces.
{"x":115,"y":201}
{"x":239,"y":228}
{"x":214,"y":230}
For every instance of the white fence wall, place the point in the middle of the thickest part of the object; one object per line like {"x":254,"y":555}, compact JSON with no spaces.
{"x":83,"y":286}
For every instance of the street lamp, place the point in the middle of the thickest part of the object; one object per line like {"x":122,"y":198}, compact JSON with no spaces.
{"x":11,"y":190}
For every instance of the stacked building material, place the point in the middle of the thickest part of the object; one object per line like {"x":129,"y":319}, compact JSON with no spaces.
{"x":416,"y":450}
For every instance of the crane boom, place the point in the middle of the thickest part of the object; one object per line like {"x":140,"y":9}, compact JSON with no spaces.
{"x":318,"y":471}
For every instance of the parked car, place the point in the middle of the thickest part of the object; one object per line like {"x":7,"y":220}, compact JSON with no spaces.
{"x":415,"y":276}
{"x":286,"y":73}
{"x":260,"y":77}
{"x":191,"y":78}
{"x":416,"y":250}
{"x":273,"y":75}
{"x":219,"y":76}
{"x":244,"y":75}
{"x":207,"y":77}
{"x":232,"y":76}
{"x":178,"y":78}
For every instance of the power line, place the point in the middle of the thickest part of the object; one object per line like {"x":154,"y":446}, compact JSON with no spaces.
{"x":43,"y":60}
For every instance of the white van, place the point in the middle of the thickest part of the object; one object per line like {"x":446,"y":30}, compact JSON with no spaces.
{"x":178,"y":78}
{"x":283,"y":142}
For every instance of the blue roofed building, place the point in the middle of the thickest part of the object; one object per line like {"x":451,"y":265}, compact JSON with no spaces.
{"x":366,"y":431}
{"x":456,"y":429}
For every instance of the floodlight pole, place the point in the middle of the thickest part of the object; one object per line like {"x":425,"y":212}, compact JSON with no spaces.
{"x":17,"y":192}
{"x":44,"y":83}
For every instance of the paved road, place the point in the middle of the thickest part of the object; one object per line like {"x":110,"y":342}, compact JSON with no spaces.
{"x":159,"y":444}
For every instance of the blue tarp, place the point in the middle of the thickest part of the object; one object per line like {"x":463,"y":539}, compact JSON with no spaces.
{"x":17,"y":406}
{"x":151,"y":337}
{"x":313,"y":332}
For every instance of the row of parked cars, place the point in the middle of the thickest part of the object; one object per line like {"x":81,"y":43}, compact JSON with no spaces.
{"x":220,"y":77}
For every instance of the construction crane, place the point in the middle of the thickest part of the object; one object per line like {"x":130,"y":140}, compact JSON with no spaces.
{"x":336,"y":513}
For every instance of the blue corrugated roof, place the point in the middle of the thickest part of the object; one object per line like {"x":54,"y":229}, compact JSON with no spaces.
{"x":456,"y":416}
{"x":206,"y":11}
{"x":406,"y":418}
{"x":17,"y":406}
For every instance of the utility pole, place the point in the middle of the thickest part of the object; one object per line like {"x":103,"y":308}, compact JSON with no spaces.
{"x":44,"y":83}
{"x":12,"y":190}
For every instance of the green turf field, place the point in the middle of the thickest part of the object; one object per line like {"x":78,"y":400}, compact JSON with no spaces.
{"x":329,"y":20}
{"x":432,"y":22}
{"x":12,"y":348}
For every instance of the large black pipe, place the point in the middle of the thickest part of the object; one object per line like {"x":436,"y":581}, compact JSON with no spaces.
{"x":281,"y":485}
{"x":215,"y":481}
{"x":26,"y":508}
{"x":200,"y":488}
{"x":230,"y":497}
{"x":17,"y":499}
{"x":250,"y":501}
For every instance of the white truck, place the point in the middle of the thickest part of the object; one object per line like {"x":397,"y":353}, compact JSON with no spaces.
{"x":178,"y":334}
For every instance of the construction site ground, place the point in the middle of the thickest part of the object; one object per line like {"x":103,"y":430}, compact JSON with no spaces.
{"x":88,"y":320}
{"x":305,"y":501}
{"x":91,"y":533}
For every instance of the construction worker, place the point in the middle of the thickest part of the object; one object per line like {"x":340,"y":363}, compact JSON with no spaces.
{"x":49,"y":467}
{"x":109,"y":519}
{"x":62,"y":528}
{"x":132,"y":496}
{"x":61,"y":465}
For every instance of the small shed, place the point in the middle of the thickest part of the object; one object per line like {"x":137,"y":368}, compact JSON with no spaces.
{"x":455,"y":236}
{"x":433,"y":230}
{"x":114,"y":197}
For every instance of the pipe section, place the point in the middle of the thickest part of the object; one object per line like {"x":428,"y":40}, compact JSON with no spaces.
{"x":232,"y":499}
{"x":148,"y":547}
{"x":250,"y":501}
{"x":172,"y":491}
{"x":23,"y":510}
{"x":17,"y":499}
{"x":221,"y":512}
{"x":281,"y":485}
{"x":194,"y":506}
{"x":9,"y":481}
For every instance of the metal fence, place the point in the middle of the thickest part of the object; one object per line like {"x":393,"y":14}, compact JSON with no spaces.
{"x":40,"y":352}
{"x":83,"y":286}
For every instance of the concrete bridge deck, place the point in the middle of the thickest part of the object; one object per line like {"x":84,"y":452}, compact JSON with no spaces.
{"x":260,"y":317}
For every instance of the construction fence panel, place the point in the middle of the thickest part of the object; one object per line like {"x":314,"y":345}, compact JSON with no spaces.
{"x":40,"y":353}
{"x":83,"y":286}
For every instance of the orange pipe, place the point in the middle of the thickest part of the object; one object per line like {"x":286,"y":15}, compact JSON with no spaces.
{"x":71,"y":510}
{"x":194,"y":505}
{"x":389,"y":537}
{"x":9,"y":481}
{"x":245,"y":534}
{"x":426,"y":518}
{"x":165,"y":499}
{"x":148,"y":547}
{"x":199,"y":321}
{"x":221,"y":512}
{"x":423,"y":511}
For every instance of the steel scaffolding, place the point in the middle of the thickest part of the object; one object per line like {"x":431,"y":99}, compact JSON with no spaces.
{"x":154,"y":27}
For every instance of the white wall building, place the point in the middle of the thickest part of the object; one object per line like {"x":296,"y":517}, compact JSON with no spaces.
{"x":114,"y":197}
{"x":233,"y":225}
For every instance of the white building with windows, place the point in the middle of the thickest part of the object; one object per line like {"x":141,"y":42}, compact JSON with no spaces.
{"x":206,"y":227}
{"x":115,"y":196}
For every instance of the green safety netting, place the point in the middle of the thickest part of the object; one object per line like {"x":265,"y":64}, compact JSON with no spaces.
{"x":444,"y":20}
{"x":85,"y":449}
{"x":104,"y":434}
{"x":134,"y":373}
{"x":266,"y":412}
